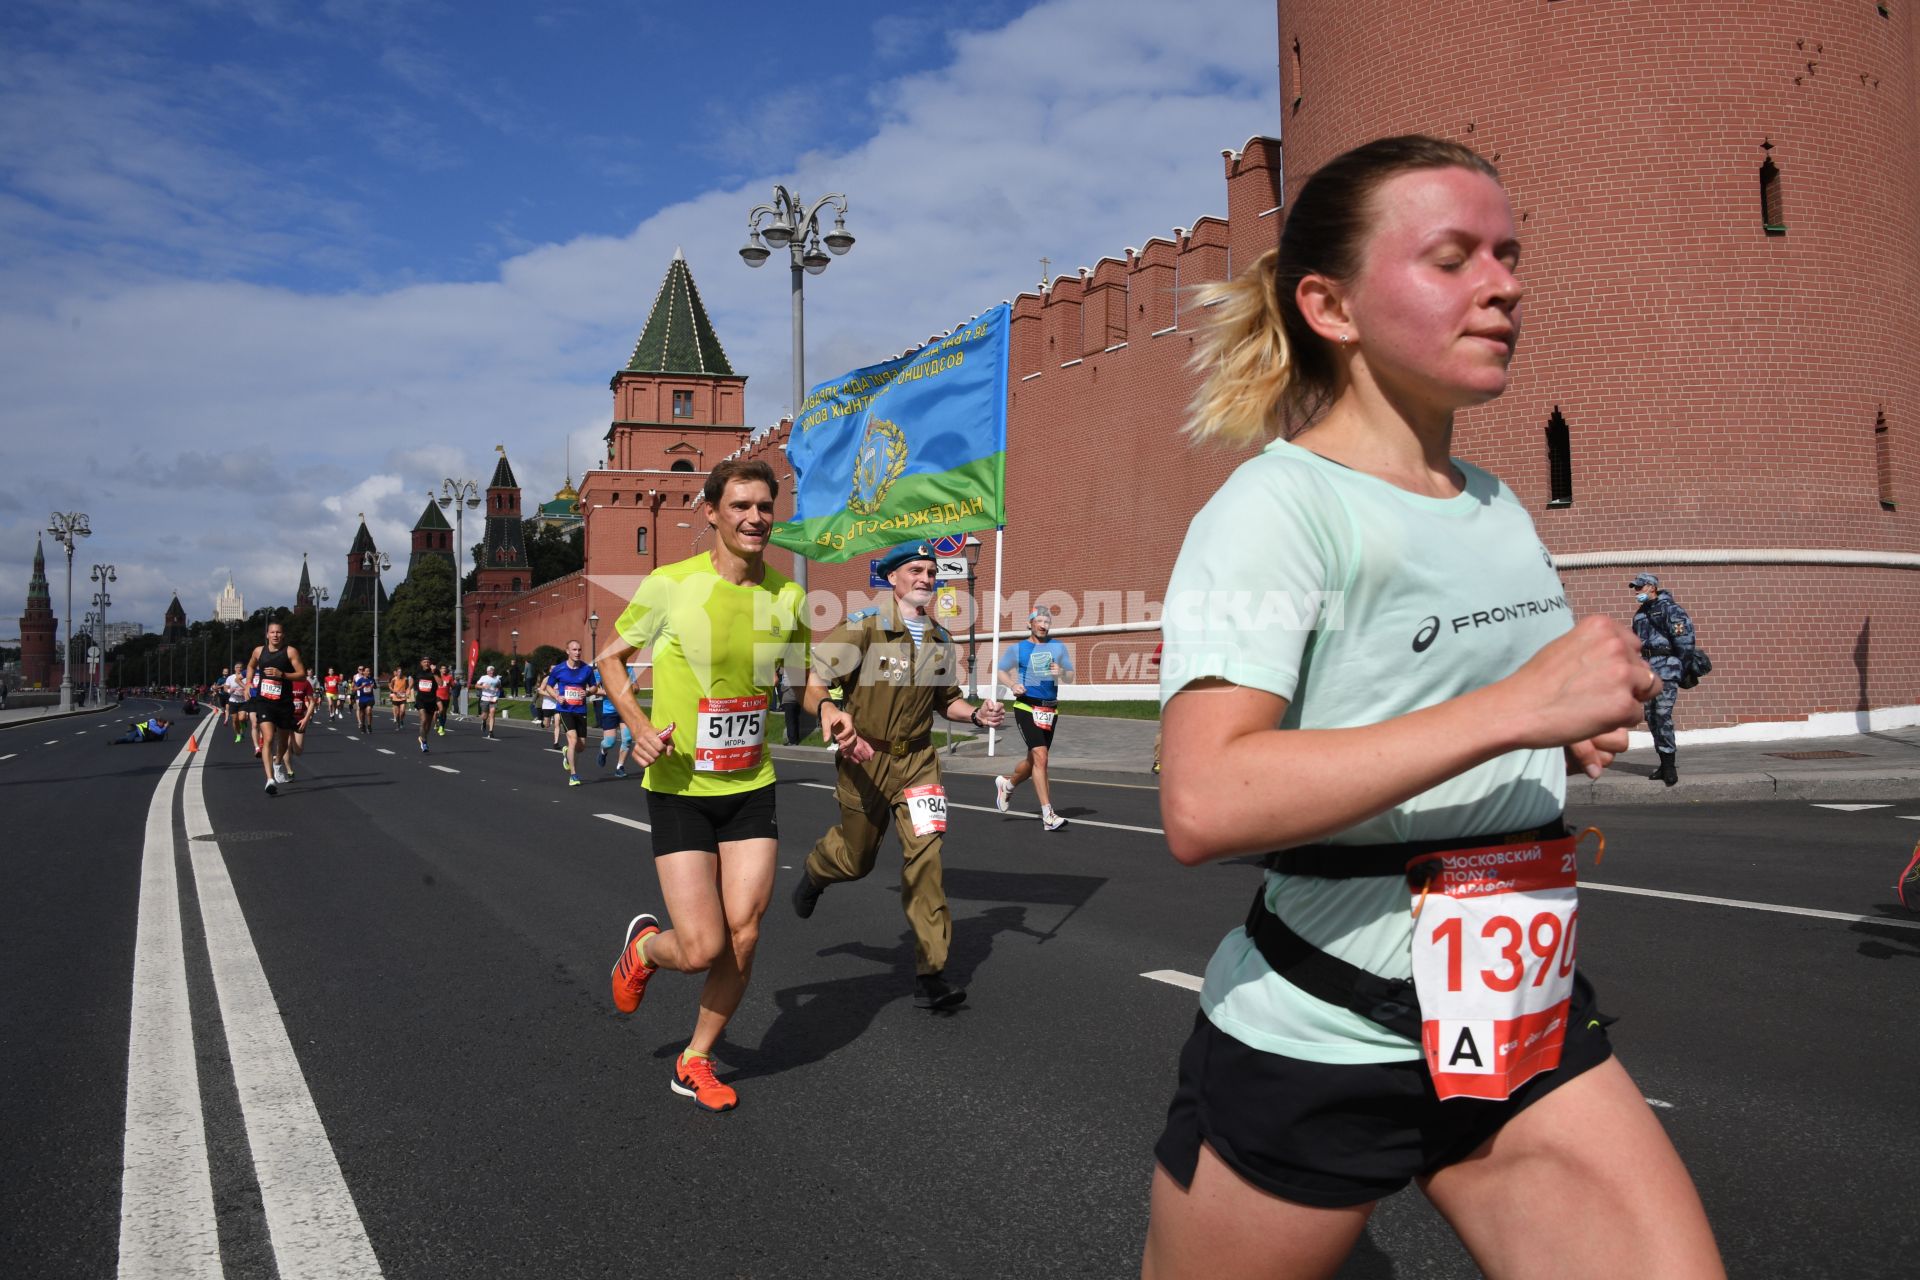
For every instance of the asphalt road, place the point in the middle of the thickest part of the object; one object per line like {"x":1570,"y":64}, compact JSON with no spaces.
{"x":436,"y":945}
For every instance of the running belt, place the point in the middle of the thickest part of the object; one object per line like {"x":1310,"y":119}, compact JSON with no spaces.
{"x":1390,"y":1002}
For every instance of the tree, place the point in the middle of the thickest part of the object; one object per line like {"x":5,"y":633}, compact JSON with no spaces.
{"x":544,"y":659}
{"x":553,"y":554}
{"x":420,"y":622}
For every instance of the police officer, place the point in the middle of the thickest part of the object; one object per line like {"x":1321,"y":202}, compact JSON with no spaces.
{"x":1666,"y":638}
{"x":896,"y":666}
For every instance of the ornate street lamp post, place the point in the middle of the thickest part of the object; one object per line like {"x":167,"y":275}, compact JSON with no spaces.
{"x":103,"y":575}
{"x":789,"y":223}
{"x":92,"y":624}
{"x":67,"y":528}
{"x":515,"y":676}
{"x":320,"y":597}
{"x":377,"y":562}
{"x":459,"y":495}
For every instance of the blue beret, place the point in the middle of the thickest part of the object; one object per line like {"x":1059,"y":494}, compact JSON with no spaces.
{"x":905,"y":553}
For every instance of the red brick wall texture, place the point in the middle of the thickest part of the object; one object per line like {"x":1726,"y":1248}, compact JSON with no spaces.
{"x":1722,"y":384}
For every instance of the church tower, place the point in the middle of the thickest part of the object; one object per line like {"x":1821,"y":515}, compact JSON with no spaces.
{"x":303,"y":594}
{"x":363,"y":583}
{"x":38,"y":628}
{"x":432,"y":536}
{"x":678,"y":409}
{"x":503,"y":555}
{"x":174,"y":624}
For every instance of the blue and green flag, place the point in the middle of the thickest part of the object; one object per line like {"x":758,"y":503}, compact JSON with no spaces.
{"x":903,"y":451}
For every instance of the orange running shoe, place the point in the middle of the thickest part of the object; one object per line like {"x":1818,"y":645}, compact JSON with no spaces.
{"x":694,"y":1078}
{"x":629,"y":973}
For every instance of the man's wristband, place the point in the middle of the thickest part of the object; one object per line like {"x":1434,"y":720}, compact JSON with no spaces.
{"x":975,"y":717}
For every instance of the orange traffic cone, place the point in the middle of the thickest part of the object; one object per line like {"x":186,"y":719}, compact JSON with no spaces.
{"x":193,"y":746}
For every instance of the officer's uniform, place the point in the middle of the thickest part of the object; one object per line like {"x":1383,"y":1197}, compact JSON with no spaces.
{"x":892,"y":689}
{"x":1666,"y":637}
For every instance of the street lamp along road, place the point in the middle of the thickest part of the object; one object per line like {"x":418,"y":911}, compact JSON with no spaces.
{"x":67,"y":528}
{"x":789,"y":222}
{"x":378,"y":562}
{"x":103,"y":576}
{"x":459,"y":495}
{"x":318,"y":679}
{"x":514,"y":675}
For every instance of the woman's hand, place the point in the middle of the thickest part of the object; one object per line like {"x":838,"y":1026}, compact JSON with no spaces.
{"x":1581,"y":691}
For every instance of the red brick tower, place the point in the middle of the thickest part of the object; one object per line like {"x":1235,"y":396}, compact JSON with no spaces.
{"x":173,"y":627}
{"x":678,"y":408}
{"x":363,"y":583}
{"x":303,"y":594}
{"x":503,"y":567}
{"x":1722,"y":257}
{"x":432,"y":536}
{"x":39,"y":628}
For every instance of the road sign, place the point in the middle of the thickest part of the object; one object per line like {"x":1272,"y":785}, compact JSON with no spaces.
{"x":950,"y":569}
{"x":93,"y":653}
{"x":951,"y":544}
{"x":946,"y":603}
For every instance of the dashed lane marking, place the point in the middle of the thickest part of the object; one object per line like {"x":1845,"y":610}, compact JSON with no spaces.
{"x":383,"y":751}
{"x":1751,"y":906}
{"x":442,"y":768}
{"x":1655,"y":1102}
{"x":9,"y":757}
{"x":635,"y":823}
{"x":351,"y":738}
{"x":1175,"y":978}
{"x":51,"y":742}
{"x":1024,"y":813}
{"x":1852,"y":808}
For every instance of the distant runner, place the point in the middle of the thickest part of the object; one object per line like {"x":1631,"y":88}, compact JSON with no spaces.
{"x":568,"y":684}
{"x":489,"y":687}
{"x":1033,"y":669}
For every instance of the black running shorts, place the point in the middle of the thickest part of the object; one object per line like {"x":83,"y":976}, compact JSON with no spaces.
{"x":706,"y":822}
{"x":426,"y":702}
{"x":573,"y":722}
{"x":1335,"y":1135}
{"x":277,"y":712}
{"x":1030,"y":733}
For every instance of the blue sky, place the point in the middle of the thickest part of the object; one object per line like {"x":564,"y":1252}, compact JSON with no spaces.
{"x":265,"y":265}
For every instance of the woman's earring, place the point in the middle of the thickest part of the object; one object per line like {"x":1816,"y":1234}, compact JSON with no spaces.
{"x":1344,"y":337}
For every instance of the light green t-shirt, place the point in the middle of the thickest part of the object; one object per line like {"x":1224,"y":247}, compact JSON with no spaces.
{"x":1359,"y":602}
{"x":711,"y":639}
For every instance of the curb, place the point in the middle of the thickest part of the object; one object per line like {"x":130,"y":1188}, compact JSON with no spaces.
{"x":59,"y":715}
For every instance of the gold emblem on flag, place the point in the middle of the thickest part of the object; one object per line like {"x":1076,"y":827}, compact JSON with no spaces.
{"x":881,"y":458}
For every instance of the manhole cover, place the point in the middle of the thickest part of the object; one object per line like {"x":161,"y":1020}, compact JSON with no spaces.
{"x":240,"y":837}
{"x":1819,"y":755}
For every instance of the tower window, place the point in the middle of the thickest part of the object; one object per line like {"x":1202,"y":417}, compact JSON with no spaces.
{"x":640,"y":540}
{"x":1773,"y":216}
{"x":683,"y":404}
{"x":1293,"y":65}
{"x":516,"y":584}
{"x":682,"y":464}
{"x":1559,"y":461}
{"x":1883,"y":459}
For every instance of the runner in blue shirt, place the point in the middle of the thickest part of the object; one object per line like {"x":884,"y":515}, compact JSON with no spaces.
{"x":1032,"y":670}
{"x":568,"y":684}
{"x":363,"y":692}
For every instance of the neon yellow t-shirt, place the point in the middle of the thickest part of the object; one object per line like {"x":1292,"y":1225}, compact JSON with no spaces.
{"x":714,"y":643}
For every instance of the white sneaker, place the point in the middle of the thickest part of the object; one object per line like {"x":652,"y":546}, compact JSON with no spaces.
{"x":1051,"y":822}
{"x":280,"y":773}
{"x":1002,"y":793}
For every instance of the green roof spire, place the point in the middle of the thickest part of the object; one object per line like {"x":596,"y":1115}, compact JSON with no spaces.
{"x":679,"y":338}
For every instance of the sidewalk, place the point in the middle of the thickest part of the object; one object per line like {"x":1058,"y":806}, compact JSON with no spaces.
{"x":15,"y":716}
{"x":1869,"y":766}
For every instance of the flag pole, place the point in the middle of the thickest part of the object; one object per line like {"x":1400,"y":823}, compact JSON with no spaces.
{"x":993,"y":654}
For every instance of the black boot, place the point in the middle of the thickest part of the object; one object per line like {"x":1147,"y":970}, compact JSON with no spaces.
{"x":933,"y":991}
{"x":806,"y":895}
{"x":1668,"y":774}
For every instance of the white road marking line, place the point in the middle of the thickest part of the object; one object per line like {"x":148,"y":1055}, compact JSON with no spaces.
{"x":442,"y":768}
{"x":1751,"y":906}
{"x":383,"y":751}
{"x":311,"y":1219}
{"x":351,"y":738}
{"x":51,"y":742}
{"x":1655,"y":1102}
{"x":1173,"y":977}
{"x":167,"y":1222}
{"x":635,"y":823}
{"x":15,"y":754}
{"x":1023,"y":813}
{"x":81,"y":734}
{"x":1852,"y":808}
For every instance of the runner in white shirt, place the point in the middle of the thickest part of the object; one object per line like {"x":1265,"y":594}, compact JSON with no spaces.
{"x":489,"y":687}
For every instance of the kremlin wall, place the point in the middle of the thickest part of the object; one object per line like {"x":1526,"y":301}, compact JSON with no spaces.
{"x":1717,"y":383}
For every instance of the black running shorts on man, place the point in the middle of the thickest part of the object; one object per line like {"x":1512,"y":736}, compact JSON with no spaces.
{"x":1030,"y":731}
{"x":1334,"y":1134}
{"x":706,"y":822}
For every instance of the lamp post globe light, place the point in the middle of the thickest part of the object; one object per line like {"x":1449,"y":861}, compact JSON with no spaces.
{"x":67,"y":528}
{"x":378,"y":562}
{"x":593,"y":637}
{"x":790,"y":223}
{"x":513,"y":671}
{"x":103,"y":576}
{"x":92,"y":623}
{"x":458,"y":495}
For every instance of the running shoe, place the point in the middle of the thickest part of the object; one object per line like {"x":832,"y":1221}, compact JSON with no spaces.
{"x":1052,"y":822}
{"x":693,"y":1078}
{"x":1002,"y":793}
{"x":281,"y":773}
{"x":272,"y":790}
{"x":256,"y":751}
{"x":619,"y":771}
{"x":603,"y":757}
{"x":933,"y":991}
{"x":573,"y":779}
{"x":629,"y":973}
{"x":423,"y":746}
{"x":440,"y":729}
{"x":236,"y":737}
{"x":288,"y":770}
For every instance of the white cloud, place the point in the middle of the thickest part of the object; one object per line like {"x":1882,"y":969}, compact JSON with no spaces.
{"x":248,"y":423}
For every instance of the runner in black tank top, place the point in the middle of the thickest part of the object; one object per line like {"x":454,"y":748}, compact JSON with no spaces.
{"x":276,"y":665}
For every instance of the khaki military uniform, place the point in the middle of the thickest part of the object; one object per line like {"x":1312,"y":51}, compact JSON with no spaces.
{"x":892,"y":689}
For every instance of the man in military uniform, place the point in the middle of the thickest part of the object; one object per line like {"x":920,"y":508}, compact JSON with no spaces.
{"x":875,"y":684}
{"x":1666,"y":638}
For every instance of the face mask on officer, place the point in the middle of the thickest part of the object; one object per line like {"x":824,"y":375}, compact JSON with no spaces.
{"x":1643,"y":597}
